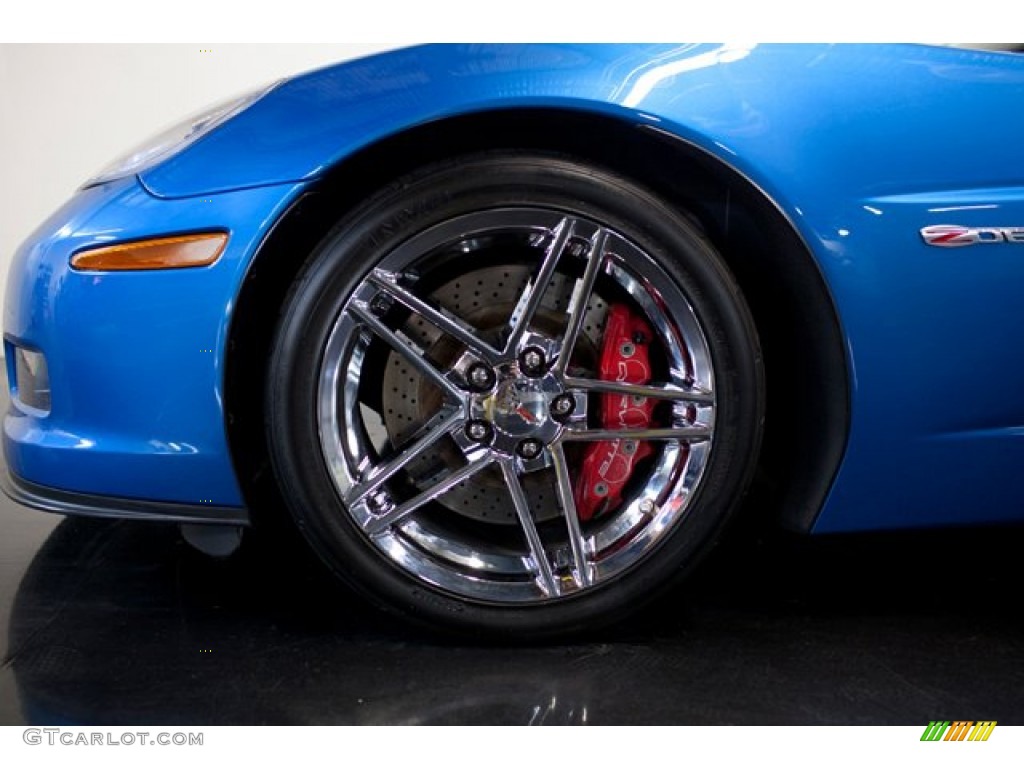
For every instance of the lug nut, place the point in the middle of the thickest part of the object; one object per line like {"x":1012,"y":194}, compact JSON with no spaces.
{"x":379,"y":502}
{"x":480,"y":377}
{"x":647,"y":507}
{"x":563,"y":406}
{"x":531,"y":361}
{"x":529,"y":448}
{"x":479,"y":431}
{"x":381,"y":304}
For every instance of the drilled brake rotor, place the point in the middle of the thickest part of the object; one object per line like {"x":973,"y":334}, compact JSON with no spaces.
{"x":485,"y":299}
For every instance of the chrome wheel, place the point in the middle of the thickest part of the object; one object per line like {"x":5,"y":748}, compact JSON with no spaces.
{"x":459,"y":389}
{"x":513,"y":394}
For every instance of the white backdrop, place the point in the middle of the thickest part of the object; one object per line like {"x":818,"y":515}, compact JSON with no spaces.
{"x":67,"y":110}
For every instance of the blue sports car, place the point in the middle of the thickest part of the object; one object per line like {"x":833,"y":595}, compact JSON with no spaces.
{"x":505,"y":332}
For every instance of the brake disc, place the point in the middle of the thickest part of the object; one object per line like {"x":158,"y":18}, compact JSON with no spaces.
{"x":485,"y":298}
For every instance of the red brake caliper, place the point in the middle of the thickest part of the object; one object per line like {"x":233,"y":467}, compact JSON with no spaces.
{"x":607,"y":465}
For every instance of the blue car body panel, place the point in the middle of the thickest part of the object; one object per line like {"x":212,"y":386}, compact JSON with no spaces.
{"x":135,"y":358}
{"x":859,"y":146}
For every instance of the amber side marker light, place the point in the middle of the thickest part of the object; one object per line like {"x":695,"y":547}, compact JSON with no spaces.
{"x":160,"y":253}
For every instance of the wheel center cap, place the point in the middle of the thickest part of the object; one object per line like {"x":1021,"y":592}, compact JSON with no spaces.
{"x":519,"y":406}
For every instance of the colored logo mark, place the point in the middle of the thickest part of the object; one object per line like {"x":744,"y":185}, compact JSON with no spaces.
{"x":959,"y":730}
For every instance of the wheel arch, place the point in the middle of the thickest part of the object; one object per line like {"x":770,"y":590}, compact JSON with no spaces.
{"x":805,"y":361}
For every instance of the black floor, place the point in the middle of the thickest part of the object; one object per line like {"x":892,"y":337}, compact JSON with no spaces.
{"x":122,"y":623}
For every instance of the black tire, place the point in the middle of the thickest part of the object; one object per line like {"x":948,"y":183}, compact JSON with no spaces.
{"x":339,"y":268}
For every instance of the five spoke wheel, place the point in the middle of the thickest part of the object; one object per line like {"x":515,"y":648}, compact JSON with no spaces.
{"x":513,"y":393}
{"x":513,"y":396}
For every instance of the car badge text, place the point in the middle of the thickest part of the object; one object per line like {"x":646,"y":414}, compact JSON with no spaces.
{"x":956,"y":236}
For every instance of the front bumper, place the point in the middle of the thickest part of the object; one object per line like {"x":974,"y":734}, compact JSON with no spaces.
{"x":70,"y":503}
{"x":135,"y":359}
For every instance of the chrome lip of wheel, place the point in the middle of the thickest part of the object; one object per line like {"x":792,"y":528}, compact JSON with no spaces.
{"x":579,"y":559}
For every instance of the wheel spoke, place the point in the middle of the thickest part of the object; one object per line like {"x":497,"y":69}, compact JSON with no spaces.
{"x":377,"y":525}
{"x":534,"y":294}
{"x":436,"y":428}
{"x":581,"y":293}
{"x":537,"y":552}
{"x":655,"y":391}
{"x":581,"y":570}
{"x":412,"y":354}
{"x":388,"y":283}
{"x":692,"y":434}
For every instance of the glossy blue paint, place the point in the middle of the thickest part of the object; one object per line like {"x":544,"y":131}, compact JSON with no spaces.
{"x":860,"y":146}
{"x":135,"y":358}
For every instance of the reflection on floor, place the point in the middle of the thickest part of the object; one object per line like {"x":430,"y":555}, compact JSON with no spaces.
{"x":122,"y":623}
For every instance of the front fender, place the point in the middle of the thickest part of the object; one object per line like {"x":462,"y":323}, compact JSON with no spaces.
{"x":314,"y":121}
{"x":859,"y":146}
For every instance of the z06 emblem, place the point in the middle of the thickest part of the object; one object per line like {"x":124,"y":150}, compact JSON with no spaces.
{"x":956,"y":236}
